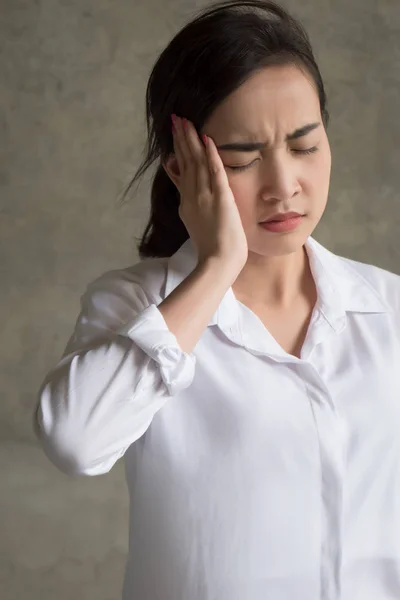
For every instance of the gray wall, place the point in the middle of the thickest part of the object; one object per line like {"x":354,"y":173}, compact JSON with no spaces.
{"x":72,"y":127}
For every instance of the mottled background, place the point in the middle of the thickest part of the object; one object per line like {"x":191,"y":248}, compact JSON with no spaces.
{"x":73,"y":76}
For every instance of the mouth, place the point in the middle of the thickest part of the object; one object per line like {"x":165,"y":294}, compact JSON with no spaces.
{"x":277,"y":218}
{"x":283,"y":225}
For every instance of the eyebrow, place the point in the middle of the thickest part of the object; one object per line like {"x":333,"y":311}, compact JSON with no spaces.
{"x":252,"y":146}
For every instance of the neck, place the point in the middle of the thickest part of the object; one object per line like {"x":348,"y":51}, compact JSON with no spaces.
{"x":275,"y":281}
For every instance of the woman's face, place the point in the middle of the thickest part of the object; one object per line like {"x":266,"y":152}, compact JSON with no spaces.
{"x":291,"y":172}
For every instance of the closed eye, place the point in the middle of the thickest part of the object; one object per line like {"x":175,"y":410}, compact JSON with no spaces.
{"x":296,"y":151}
{"x":242,"y":167}
{"x":308,"y":151}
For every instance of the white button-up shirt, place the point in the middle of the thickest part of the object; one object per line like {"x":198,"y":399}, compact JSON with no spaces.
{"x":253,"y":474}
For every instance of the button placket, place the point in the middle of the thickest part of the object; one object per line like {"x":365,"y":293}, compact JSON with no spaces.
{"x":332,"y":457}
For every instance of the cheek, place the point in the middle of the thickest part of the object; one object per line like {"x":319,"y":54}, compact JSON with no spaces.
{"x":324,"y":172}
{"x":244,"y":190}
{"x":323,"y":167}
{"x":316,"y":175}
{"x":244,"y":185}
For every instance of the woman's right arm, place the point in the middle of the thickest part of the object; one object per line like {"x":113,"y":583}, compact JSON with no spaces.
{"x":118,"y":371}
{"x":126,"y":358}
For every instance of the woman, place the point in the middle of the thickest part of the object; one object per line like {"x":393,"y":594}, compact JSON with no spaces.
{"x":247,"y":374}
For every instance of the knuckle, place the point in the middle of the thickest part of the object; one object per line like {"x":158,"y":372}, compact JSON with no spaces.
{"x":214,"y":168}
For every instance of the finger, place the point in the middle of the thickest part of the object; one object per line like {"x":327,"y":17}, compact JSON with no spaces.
{"x":198,"y":152}
{"x":218,"y":176}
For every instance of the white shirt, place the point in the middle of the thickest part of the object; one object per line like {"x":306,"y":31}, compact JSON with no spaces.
{"x":253,"y":474}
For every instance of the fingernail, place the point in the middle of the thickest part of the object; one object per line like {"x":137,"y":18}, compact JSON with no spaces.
{"x":205,"y":139}
{"x":184,"y":123}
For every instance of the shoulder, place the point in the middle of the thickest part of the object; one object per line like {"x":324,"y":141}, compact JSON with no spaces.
{"x":385,"y":283}
{"x":116,"y":297}
{"x":144,"y":280}
{"x":119,"y":294}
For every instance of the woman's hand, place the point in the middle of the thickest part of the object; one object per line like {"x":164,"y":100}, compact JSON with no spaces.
{"x":207,"y":208}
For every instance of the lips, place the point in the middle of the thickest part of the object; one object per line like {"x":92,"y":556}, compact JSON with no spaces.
{"x":282,"y":217}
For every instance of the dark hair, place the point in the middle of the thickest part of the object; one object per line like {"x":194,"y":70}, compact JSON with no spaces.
{"x":205,"y":62}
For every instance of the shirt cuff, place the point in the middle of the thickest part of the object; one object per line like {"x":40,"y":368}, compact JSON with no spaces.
{"x":150,"y":332}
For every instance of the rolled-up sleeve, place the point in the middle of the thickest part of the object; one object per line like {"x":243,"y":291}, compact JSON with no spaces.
{"x":150,"y":332}
{"x":120,"y":367}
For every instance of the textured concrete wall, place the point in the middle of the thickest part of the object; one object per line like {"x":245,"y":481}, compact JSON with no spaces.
{"x":72,"y":127}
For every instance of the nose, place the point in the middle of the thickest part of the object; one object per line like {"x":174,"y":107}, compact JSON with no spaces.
{"x":280,"y":180}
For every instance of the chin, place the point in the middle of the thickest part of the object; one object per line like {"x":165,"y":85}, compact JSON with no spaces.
{"x":278,"y":244}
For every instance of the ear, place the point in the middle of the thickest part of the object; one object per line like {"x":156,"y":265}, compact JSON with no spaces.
{"x":172,"y":169}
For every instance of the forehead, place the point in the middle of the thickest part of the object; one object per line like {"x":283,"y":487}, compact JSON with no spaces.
{"x":278,"y":97}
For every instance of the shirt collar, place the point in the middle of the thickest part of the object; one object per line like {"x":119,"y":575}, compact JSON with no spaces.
{"x":340,"y":287}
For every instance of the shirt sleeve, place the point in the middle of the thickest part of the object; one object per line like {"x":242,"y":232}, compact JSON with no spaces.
{"x":119,"y":368}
